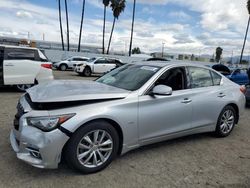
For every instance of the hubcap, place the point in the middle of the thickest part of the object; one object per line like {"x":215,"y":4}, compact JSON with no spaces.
{"x":95,"y":148}
{"x":227,"y":122}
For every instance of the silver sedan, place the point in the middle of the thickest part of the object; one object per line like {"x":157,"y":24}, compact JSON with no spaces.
{"x":89,"y":123}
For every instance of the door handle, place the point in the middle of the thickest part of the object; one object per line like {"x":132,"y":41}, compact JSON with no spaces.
{"x":221,"y":95}
{"x":186,"y":101}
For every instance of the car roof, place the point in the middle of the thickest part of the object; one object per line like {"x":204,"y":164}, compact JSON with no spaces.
{"x":78,"y":57}
{"x":170,"y":63}
{"x":20,"y":47}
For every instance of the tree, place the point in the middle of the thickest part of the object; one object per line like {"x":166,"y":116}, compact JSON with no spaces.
{"x":244,"y":43}
{"x":60,"y":21}
{"x":80,"y":34}
{"x":118,"y":7}
{"x":67,"y":21}
{"x":219,"y":51}
{"x":106,"y":4}
{"x":136,"y":50}
{"x":132,"y":29}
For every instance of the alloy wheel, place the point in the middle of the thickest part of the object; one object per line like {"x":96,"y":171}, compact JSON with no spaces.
{"x":95,"y":148}
{"x":227,"y":121}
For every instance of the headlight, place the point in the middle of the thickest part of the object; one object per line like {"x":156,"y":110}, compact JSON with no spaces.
{"x":48,"y":123}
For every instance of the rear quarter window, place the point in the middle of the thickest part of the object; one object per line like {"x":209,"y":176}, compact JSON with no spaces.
{"x":216,"y":78}
{"x":19,"y":54}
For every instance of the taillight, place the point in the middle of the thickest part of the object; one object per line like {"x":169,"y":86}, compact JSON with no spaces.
{"x":243,"y":89}
{"x":46,"y":65}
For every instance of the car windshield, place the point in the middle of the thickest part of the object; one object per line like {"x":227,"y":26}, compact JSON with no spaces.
{"x":130,"y":77}
{"x":91,"y":59}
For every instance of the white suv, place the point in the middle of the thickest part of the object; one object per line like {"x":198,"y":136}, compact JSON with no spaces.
{"x":98,"y":65}
{"x":69,"y":63}
{"x":23,"y":67}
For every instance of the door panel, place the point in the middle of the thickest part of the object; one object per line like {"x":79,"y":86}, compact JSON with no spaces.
{"x":100,"y":66}
{"x":207,"y":103}
{"x":1,"y":65}
{"x":163,"y":115}
{"x":20,"y":71}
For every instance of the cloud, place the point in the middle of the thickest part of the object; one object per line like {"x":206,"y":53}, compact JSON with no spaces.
{"x":180,"y":15}
{"x":23,"y":14}
{"x":216,"y":25}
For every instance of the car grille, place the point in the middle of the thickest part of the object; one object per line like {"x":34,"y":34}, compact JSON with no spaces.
{"x":19,"y":114}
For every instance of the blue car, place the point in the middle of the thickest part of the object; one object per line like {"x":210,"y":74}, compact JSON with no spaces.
{"x":239,"y":76}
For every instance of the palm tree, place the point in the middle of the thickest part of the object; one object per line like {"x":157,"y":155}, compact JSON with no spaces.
{"x":60,"y":21}
{"x":106,"y":4}
{"x":242,"y":51}
{"x":132,"y":29}
{"x":80,"y":34}
{"x":118,"y":7}
{"x":218,"y":52}
{"x":67,"y":20}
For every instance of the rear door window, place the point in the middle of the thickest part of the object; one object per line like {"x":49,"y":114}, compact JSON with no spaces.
{"x":20,"y":54}
{"x":200,"y":77}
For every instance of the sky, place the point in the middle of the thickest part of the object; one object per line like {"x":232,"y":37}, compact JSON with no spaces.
{"x":184,"y":26}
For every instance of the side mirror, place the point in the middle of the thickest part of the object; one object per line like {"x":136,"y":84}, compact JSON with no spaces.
{"x":162,"y":90}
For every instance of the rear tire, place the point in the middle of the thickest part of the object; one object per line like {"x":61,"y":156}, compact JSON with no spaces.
{"x":226,"y":122}
{"x":87,"y":72}
{"x":63,"y":67}
{"x":23,"y":87}
{"x":92,"y":148}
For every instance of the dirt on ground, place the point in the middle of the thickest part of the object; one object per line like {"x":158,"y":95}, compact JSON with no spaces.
{"x":194,"y":161}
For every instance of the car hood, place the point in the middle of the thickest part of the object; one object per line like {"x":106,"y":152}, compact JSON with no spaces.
{"x":73,"y":90}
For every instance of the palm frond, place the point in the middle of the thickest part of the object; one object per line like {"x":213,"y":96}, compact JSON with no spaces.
{"x":106,"y":2}
{"x":118,"y":6}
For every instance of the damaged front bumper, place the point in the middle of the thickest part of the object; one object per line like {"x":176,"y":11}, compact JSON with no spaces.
{"x":37,"y":148}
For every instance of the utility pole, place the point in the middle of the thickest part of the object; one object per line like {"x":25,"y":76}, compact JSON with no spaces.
{"x":162,"y":53}
{"x":132,"y":30}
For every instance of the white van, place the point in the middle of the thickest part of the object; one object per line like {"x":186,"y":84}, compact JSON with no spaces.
{"x":23,"y":67}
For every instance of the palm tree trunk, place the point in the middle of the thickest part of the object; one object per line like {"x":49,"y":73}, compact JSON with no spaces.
{"x":80,"y":34}
{"x":113,"y":26}
{"x":241,"y":56}
{"x":67,"y":20}
{"x":132,"y":30}
{"x":103,"y":33}
{"x":60,"y":21}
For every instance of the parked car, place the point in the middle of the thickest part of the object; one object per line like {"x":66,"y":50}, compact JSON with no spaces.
{"x":98,"y":65}
{"x":70,"y":63}
{"x":239,"y":76}
{"x":89,"y":123}
{"x":23,"y":67}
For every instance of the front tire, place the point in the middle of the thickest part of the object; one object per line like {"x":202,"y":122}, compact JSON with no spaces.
{"x":87,"y":71}
{"x":92,"y":148}
{"x":226,"y":122}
